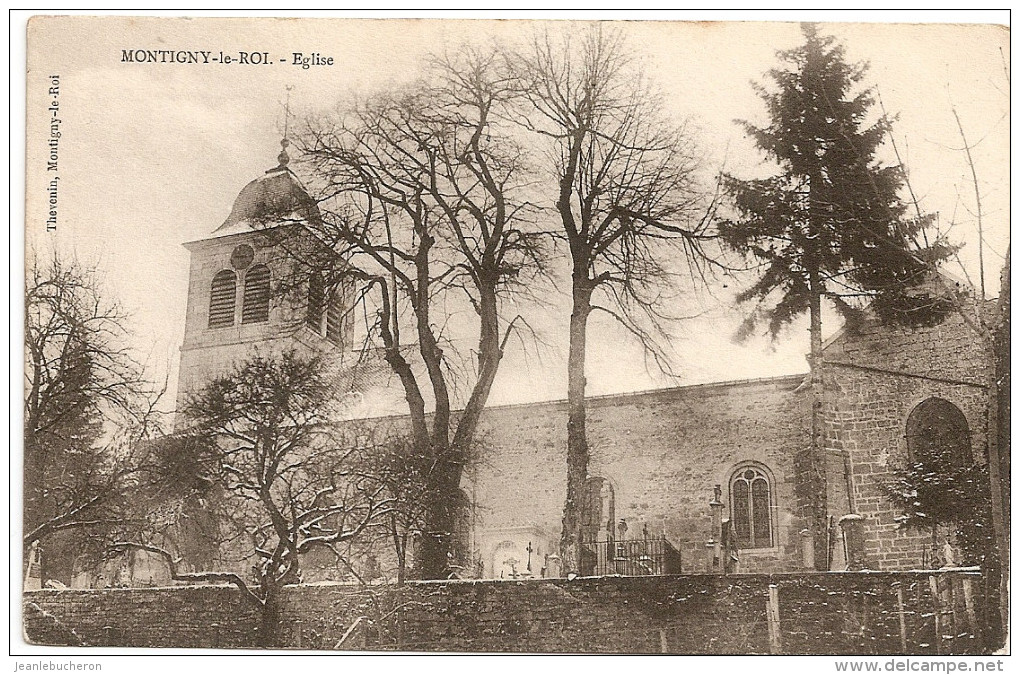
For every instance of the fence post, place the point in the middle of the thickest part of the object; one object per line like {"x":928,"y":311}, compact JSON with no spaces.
{"x":354,"y":626}
{"x":933,"y":584}
{"x":663,"y":644}
{"x":954,"y":624}
{"x":772,"y":615}
{"x":398,"y":617}
{"x":717,"y":534}
{"x":968,"y":604}
{"x":903,"y":617}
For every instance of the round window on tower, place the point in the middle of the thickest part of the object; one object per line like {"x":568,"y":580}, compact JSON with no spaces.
{"x":242,"y":257}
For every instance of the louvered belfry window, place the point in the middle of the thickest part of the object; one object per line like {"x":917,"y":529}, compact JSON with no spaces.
{"x":223,"y":299}
{"x":334,"y":321}
{"x":256,"y":295}
{"x":751,"y":495}
{"x":316,"y":300}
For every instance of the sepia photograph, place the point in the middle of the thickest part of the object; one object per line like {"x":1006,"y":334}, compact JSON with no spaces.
{"x":530,"y":336}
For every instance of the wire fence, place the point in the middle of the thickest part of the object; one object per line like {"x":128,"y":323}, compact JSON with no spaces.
{"x":633,"y":557}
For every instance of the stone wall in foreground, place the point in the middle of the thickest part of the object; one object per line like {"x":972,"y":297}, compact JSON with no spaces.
{"x":817,"y":613}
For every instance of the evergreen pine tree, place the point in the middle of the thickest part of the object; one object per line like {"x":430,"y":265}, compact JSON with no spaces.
{"x":830,"y":224}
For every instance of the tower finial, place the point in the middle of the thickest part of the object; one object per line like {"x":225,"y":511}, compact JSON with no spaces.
{"x":283,"y":158}
{"x":286,"y":112}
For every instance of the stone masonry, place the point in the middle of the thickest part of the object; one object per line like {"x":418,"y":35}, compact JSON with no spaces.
{"x":874,"y":379}
{"x":818,"y":613}
{"x":662,"y":451}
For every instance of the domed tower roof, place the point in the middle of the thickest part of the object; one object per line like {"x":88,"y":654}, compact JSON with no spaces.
{"x":272,"y":199}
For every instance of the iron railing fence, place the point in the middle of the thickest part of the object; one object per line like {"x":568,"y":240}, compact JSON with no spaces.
{"x":633,"y":557}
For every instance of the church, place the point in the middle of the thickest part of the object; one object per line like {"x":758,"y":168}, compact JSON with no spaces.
{"x":693,"y":479}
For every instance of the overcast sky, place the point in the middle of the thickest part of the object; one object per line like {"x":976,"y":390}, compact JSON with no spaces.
{"x":153,"y":155}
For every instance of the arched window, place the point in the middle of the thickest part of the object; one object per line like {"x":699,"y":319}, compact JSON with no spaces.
{"x":751,"y":507}
{"x":256,"y":295}
{"x":937,"y":431}
{"x":223,"y":299}
{"x":316,"y":302}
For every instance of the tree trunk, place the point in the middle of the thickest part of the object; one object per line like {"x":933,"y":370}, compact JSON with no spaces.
{"x":443,"y":483}
{"x":581,"y":288}
{"x":269,"y":621}
{"x":35,"y":511}
{"x":577,"y":438}
{"x":40,"y":520}
{"x":998,"y":434}
{"x":490,"y":354}
{"x":401,"y":559}
{"x":442,"y":514}
{"x":399,"y":548}
{"x":817,"y":459}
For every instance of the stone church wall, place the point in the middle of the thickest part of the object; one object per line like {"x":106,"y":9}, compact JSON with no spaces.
{"x":662,"y":451}
{"x":867,"y":417}
{"x":948,"y":351}
{"x":875,"y":377}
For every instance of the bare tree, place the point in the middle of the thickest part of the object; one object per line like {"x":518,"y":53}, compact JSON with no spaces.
{"x":627,"y":203}
{"x":286,"y":488}
{"x":423,"y":202}
{"x":990,"y":327}
{"x":999,"y":460}
{"x":87,"y":410}
{"x":389,"y":457}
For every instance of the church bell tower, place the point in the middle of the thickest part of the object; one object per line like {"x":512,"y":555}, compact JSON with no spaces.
{"x":252,"y":289}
